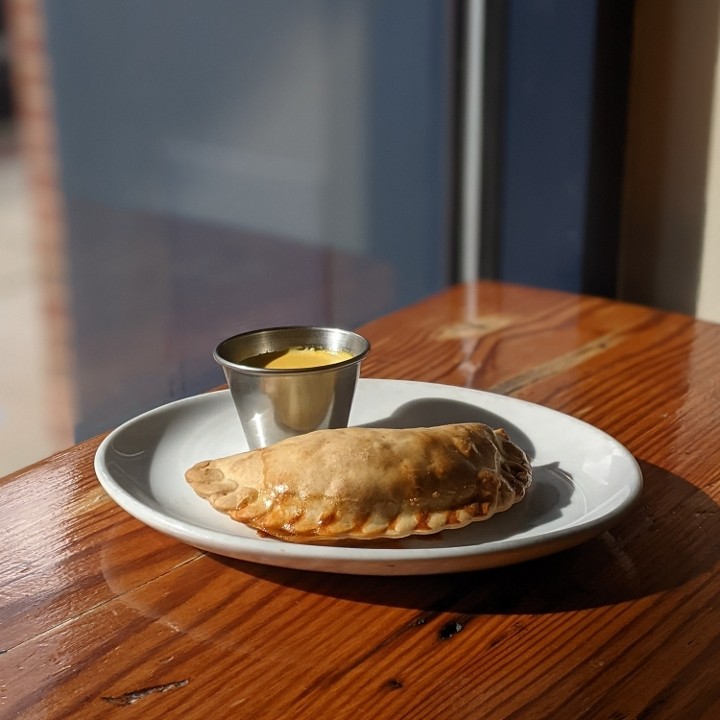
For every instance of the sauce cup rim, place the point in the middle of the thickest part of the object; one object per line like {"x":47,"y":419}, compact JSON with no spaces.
{"x":318,"y":330}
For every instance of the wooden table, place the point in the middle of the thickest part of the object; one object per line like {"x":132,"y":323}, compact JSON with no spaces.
{"x":103,"y":617}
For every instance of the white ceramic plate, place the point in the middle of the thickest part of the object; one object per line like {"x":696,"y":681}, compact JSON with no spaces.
{"x":583,"y":480}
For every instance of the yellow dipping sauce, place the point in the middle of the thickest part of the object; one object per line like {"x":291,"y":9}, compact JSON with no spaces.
{"x":297,"y":358}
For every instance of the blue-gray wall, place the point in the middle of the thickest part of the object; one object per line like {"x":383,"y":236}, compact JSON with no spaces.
{"x":559,"y":101}
{"x":234,"y":163}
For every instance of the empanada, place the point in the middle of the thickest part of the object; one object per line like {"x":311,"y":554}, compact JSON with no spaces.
{"x":365,"y":483}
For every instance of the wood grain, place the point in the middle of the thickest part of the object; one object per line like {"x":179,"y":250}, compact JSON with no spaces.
{"x":101,"y":616}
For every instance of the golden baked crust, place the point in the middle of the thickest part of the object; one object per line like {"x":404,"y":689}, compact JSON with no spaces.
{"x":365,"y":483}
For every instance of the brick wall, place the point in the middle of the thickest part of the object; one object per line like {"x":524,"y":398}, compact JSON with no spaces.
{"x":33,"y":109}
